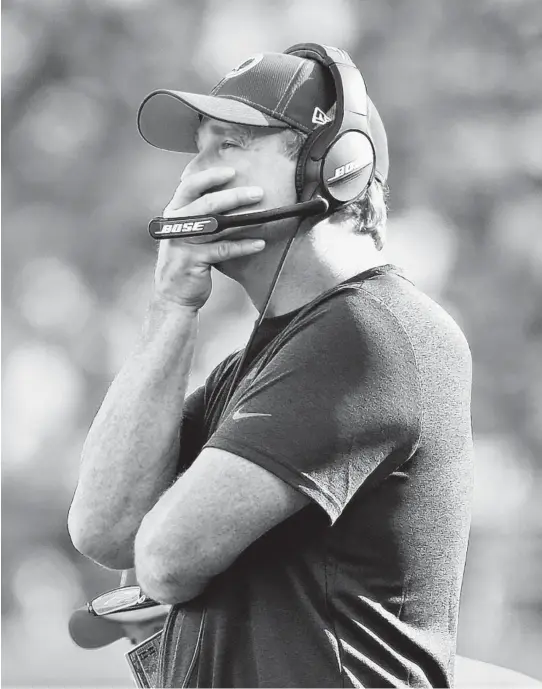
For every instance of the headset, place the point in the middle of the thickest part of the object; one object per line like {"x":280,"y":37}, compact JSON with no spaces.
{"x":338,"y":159}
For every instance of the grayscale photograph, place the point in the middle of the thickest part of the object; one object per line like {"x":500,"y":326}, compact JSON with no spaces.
{"x":272,"y":343}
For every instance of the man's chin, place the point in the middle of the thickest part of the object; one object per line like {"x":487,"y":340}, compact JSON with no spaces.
{"x":234,"y":267}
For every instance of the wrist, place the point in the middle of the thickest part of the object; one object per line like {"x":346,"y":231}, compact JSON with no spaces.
{"x":161,"y":304}
{"x":167,"y":316}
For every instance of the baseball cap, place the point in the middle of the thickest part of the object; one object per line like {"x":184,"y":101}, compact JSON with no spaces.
{"x":266,"y":90}
{"x":90,"y":631}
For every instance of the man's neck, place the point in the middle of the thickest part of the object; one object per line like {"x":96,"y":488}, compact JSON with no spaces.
{"x":317,"y":261}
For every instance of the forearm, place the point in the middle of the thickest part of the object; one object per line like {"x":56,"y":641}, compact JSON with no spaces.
{"x":130,"y":455}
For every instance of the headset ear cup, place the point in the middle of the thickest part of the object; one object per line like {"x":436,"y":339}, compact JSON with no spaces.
{"x":348,"y":167}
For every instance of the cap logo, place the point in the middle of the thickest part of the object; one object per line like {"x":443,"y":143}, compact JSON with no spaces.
{"x":320,"y":117}
{"x":245,"y":66}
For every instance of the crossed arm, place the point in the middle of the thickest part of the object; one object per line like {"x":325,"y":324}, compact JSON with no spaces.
{"x":205,"y":520}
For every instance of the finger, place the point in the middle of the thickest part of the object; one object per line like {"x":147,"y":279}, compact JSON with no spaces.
{"x":193,"y":186}
{"x":224,"y":200}
{"x":225,"y":251}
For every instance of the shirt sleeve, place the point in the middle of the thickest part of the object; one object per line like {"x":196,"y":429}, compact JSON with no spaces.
{"x":192,"y":429}
{"x":338,"y":403}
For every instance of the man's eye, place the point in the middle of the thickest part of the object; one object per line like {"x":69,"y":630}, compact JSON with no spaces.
{"x":229,"y":144}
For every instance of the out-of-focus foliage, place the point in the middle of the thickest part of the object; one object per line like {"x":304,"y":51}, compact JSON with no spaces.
{"x":458,"y":85}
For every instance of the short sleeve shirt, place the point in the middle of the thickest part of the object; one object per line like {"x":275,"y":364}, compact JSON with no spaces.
{"x":361,"y":401}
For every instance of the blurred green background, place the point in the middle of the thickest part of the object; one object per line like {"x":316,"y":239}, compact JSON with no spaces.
{"x":457,"y":83}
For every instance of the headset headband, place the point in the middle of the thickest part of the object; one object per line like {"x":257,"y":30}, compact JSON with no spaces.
{"x":351,"y":91}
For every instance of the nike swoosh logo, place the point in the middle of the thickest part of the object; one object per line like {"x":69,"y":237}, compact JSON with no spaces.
{"x":238,"y":414}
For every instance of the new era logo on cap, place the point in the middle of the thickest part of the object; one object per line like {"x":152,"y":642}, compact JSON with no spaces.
{"x":320,"y":117}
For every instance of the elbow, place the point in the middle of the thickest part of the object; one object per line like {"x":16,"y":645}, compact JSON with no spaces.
{"x":79,"y":534}
{"x":154,"y":578}
{"x":164,"y":578}
{"x":97,"y":545}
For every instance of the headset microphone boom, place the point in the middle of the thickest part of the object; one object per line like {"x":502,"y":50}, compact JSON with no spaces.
{"x":172,"y":228}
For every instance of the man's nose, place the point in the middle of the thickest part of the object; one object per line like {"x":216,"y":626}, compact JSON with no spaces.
{"x":200,"y":162}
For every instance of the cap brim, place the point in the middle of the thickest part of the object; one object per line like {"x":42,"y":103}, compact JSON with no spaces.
{"x":169,"y":119}
{"x":90,"y":631}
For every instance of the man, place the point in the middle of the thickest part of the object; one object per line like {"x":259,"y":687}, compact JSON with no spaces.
{"x":310,"y":530}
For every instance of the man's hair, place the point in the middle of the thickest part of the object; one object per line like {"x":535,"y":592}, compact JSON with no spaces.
{"x":368,"y":215}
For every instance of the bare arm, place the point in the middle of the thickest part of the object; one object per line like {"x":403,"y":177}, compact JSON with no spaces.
{"x":130,"y":455}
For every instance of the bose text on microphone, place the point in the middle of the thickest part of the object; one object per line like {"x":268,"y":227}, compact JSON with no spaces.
{"x":199,"y":225}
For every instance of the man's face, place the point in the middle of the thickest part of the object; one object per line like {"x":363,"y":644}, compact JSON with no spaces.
{"x":256,"y":153}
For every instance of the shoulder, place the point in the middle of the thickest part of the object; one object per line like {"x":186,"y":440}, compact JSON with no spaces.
{"x":428,"y":324}
{"x":351,"y":320}
{"x":347,"y":340}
